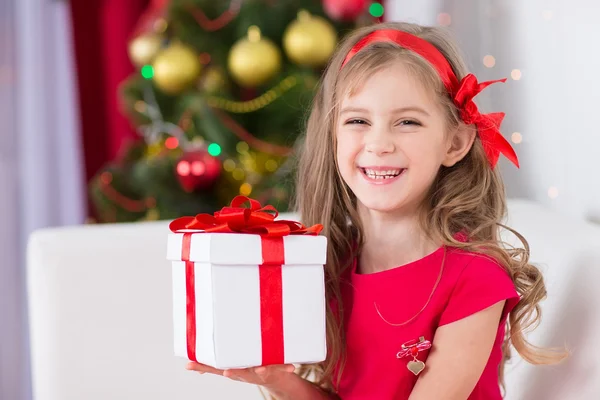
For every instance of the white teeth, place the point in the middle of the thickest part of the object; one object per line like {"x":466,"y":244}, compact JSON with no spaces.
{"x":387,"y":174}
{"x":382,"y":173}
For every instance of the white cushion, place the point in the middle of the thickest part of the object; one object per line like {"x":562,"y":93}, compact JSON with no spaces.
{"x":100,"y":313}
{"x":568,"y":252}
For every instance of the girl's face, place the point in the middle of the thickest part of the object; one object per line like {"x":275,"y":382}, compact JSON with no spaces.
{"x":391,"y":141}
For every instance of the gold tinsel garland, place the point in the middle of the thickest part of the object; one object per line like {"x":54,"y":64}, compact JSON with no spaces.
{"x":239,"y":107}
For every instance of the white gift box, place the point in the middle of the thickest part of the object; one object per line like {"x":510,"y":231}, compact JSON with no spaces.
{"x":236,"y":327}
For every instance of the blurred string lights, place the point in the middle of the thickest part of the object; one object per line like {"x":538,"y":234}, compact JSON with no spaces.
{"x":154,"y":131}
{"x":444,"y":19}
{"x":516,"y":137}
{"x":489,"y":61}
{"x":147,"y":71}
{"x":376,"y":10}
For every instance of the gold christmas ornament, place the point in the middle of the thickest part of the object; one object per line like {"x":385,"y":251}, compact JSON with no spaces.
{"x":176,"y":68}
{"x":254,"y":60}
{"x":144,"y":48}
{"x":310,"y":40}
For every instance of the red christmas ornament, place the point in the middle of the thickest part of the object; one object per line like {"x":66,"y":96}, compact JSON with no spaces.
{"x":197,"y":170}
{"x":345,"y":10}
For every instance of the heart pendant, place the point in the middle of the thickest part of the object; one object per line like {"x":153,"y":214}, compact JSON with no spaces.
{"x":416,"y":367}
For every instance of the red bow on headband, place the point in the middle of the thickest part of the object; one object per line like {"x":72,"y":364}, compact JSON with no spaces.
{"x":488,"y":125}
{"x":463,"y":92}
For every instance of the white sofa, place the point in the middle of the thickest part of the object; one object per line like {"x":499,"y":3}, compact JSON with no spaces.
{"x":100,"y":314}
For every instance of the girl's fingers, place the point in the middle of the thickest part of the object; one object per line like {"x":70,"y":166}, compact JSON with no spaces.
{"x":243,"y":375}
{"x":258,"y":375}
{"x":265,"y":370}
{"x":193,"y":366}
{"x":289,"y":368}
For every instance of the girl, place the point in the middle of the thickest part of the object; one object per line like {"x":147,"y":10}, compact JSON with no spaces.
{"x":399,"y":167}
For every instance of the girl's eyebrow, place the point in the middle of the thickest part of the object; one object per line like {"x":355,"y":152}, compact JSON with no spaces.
{"x":353,"y":109}
{"x":394,"y":111}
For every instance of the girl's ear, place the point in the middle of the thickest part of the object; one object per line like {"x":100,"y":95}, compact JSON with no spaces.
{"x":458,"y":145}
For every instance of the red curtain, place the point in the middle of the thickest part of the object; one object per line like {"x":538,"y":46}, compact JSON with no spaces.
{"x":101,"y":30}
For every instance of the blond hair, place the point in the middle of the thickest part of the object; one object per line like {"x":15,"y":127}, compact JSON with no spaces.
{"x":468,"y":196}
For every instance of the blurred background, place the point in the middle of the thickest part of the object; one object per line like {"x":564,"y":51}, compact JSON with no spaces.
{"x":117,"y":111}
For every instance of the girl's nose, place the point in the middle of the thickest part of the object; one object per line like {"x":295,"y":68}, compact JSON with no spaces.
{"x":379,"y":143}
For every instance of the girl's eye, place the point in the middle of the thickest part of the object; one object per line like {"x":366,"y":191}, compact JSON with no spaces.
{"x":356,"y":121}
{"x":404,"y":122}
{"x":409,"y":122}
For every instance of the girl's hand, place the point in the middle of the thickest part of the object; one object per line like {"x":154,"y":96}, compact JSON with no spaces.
{"x":263,"y":376}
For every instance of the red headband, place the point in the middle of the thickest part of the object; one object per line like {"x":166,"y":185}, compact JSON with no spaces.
{"x":461,"y":92}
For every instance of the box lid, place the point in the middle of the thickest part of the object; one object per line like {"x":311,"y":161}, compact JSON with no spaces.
{"x":246,"y":249}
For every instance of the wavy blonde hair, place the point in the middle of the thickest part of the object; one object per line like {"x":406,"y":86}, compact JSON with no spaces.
{"x":468,"y":196}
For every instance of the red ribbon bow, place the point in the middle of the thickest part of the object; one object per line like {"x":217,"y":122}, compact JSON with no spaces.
{"x":488,"y":125}
{"x":235,"y":219}
{"x":254,"y":220}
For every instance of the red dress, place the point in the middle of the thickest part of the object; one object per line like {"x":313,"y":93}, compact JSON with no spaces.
{"x":469,"y":283}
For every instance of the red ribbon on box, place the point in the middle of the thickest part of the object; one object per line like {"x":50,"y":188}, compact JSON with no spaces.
{"x":257,"y":220}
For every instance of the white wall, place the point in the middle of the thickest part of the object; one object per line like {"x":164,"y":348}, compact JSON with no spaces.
{"x":554,"y":105}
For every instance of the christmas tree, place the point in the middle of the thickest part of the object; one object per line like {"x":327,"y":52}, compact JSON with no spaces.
{"x":219,"y":99}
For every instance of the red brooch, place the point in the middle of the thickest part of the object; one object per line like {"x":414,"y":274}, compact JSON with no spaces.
{"x":413,"y":348}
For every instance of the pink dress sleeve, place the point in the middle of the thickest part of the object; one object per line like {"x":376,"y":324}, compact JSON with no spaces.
{"x":480,"y":285}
